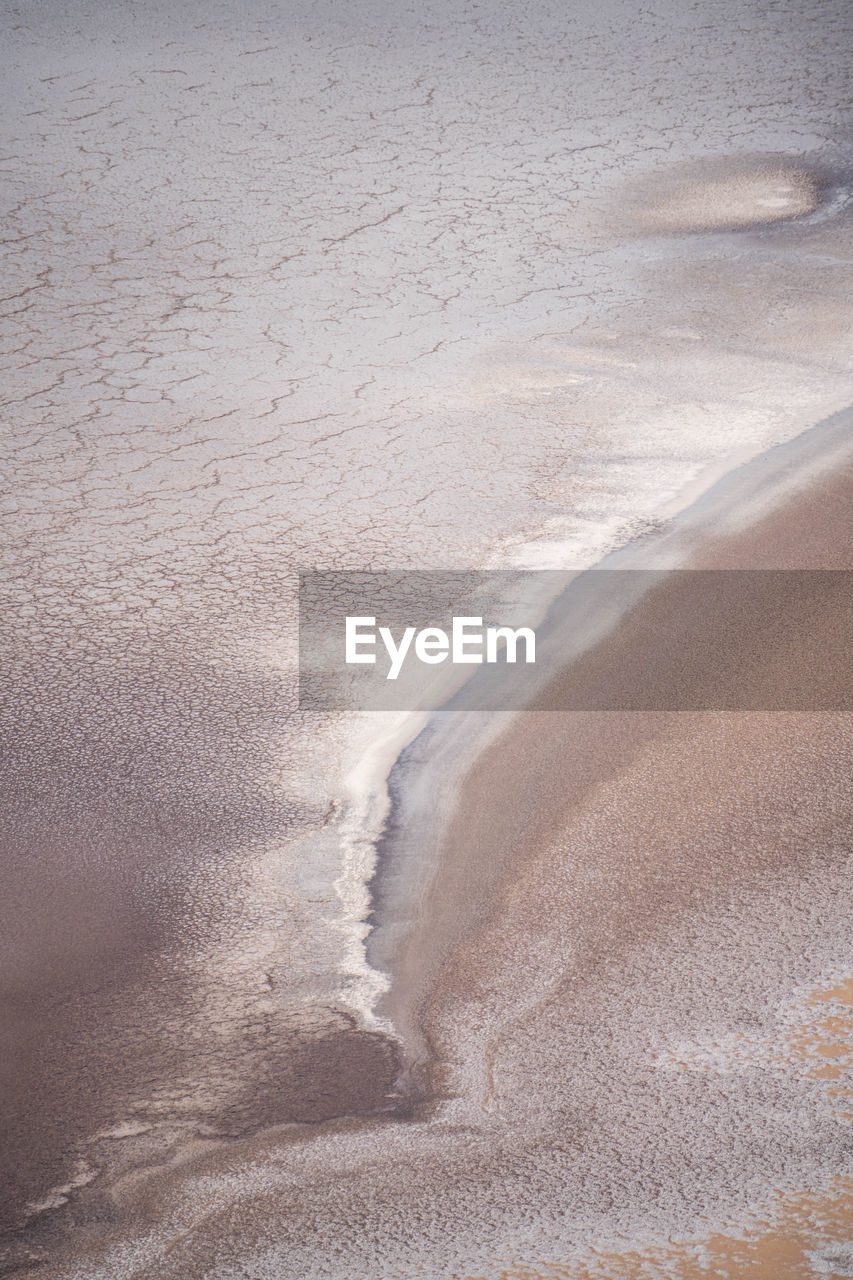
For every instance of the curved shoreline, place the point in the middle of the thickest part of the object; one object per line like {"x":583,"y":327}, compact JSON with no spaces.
{"x":444,"y":757}
{"x":426,"y":782}
{"x":443,"y":1091}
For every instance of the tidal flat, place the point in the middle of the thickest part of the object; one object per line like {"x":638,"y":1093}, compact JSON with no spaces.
{"x":299,"y":994}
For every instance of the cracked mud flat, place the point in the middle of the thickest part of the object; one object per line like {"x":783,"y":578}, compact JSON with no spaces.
{"x":339,"y":287}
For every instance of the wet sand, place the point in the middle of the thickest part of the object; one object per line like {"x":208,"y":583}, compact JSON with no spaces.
{"x":134,"y":787}
{"x":626,"y":1000}
{"x":540,"y":780}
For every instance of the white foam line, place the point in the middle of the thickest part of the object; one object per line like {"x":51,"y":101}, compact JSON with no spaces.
{"x":367,"y":803}
{"x":381,"y":737}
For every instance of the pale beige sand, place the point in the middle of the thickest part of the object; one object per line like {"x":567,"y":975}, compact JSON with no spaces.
{"x":713,"y":195}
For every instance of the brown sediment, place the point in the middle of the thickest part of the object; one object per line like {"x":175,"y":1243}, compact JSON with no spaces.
{"x":695,"y":800}
{"x":304,"y":1076}
{"x":601,"y":840}
{"x":582,"y":841}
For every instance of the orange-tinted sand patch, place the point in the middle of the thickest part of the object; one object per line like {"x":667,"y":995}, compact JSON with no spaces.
{"x":802,"y":1245}
{"x":819,"y":1044}
{"x":824,"y":1044}
{"x":809,"y":1232}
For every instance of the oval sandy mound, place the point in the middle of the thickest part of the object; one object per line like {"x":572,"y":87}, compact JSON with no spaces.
{"x":709,"y":197}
